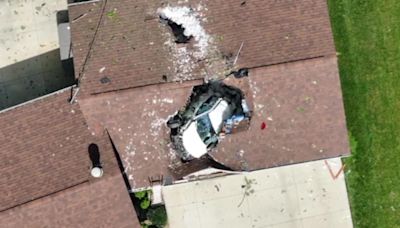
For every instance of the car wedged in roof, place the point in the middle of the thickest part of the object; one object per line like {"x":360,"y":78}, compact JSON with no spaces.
{"x":213,"y":109}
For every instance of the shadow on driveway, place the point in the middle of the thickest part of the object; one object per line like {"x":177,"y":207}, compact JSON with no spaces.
{"x":34,"y":77}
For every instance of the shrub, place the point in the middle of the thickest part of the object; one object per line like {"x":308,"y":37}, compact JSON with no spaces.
{"x":144,"y":198}
{"x":157,"y":216}
{"x":145,"y":203}
{"x":141,"y":195}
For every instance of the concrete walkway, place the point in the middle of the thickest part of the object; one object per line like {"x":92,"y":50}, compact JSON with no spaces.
{"x":30,"y":63}
{"x":303,"y":195}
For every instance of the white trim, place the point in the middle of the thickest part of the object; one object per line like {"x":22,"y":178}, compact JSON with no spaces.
{"x":133,"y":190}
{"x":80,"y":3}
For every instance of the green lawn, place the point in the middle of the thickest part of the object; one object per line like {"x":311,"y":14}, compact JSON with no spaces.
{"x":367,"y":37}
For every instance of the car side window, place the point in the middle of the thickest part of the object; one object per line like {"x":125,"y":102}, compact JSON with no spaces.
{"x":207,"y":105}
{"x":204,"y":127}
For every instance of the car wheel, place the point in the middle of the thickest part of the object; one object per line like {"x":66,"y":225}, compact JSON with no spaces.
{"x":174,"y":122}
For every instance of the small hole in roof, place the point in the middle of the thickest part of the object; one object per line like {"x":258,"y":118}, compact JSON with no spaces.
{"x":243,"y":3}
{"x":164,"y":78}
{"x":177,"y":30}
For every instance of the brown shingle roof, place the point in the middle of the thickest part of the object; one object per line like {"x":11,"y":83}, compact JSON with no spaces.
{"x":300,"y":102}
{"x":82,"y":36}
{"x":272,"y":31}
{"x":43,"y":149}
{"x":301,"y":105}
{"x":135,"y":119}
{"x":130,"y":45}
{"x":104,"y":203}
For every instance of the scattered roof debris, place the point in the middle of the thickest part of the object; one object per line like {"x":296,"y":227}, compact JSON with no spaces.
{"x":112,"y":14}
{"x":183,"y":61}
{"x":238,"y":53}
{"x":200,"y":53}
{"x":243,"y":72}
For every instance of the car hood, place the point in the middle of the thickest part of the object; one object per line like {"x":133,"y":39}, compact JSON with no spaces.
{"x":192,"y":142}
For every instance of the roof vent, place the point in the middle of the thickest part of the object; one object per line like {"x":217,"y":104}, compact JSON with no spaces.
{"x":96,"y":172}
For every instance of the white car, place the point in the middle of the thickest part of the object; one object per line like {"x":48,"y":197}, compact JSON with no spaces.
{"x":195,"y":130}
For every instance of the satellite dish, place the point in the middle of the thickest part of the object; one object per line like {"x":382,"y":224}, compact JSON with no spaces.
{"x":96,"y":172}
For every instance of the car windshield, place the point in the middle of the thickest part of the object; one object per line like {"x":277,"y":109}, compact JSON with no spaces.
{"x":204,"y":128}
{"x":207,"y":105}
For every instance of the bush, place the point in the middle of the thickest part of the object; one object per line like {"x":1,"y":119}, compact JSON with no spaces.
{"x":157,"y":216}
{"x":144,"y":198}
{"x":145,"y":203}
{"x":141,"y":195}
{"x":150,"y":217}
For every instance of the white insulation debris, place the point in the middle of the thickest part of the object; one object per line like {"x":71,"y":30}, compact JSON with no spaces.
{"x":190,"y":21}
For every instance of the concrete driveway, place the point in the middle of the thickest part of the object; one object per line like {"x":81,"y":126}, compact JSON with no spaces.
{"x":30,"y":64}
{"x":303,"y":195}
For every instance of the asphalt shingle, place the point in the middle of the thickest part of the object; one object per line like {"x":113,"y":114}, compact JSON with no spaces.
{"x":132,"y":48}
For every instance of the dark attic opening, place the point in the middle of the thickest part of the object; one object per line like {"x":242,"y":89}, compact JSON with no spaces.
{"x":177,"y":29}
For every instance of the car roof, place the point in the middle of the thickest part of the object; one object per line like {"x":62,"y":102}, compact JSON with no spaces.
{"x":192,"y":141}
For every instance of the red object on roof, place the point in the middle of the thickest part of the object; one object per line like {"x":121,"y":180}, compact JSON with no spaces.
{"x":263,"y":125}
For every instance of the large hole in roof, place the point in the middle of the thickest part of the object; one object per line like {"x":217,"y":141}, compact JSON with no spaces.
{"x":213,"y":110}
